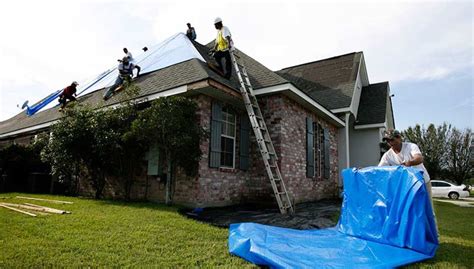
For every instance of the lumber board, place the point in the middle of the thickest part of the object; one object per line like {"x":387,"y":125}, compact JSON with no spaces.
{"x":17,"y":210}
{"x":36,"y":208}
{"x":46,"y":200}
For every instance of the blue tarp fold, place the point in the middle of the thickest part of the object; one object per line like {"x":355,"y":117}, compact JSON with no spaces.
{"x":386,"y":221}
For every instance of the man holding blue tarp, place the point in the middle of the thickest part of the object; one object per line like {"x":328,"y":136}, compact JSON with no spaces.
{"x":406,"y":154}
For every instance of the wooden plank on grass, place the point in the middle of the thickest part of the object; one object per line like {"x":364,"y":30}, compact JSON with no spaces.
{"x":37,"y":208}
{"x":46,"y":200}
{"x":49,"y":209}
{"x":18,"y":210}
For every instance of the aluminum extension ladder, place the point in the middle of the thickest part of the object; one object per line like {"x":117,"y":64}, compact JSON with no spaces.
{"x":262,"y":135}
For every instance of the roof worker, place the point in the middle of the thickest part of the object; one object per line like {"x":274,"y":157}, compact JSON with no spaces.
{"x":191,"y":32}
{"x":406,"y":154}
{"x":68,"y":93}
{"x":125,"y":74}
{"x":222,"y":46}
{"x":129,"y":55}
{"x":145,"y":49}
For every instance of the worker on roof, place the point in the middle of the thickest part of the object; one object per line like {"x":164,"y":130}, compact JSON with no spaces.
{"x":222,"y":47}
{"x":68,"y":93}
{"x":129,"y":55}
{"x":125,"y":69}
{"x":191,"y":32}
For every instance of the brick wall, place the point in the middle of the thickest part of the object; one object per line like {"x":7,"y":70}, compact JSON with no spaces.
{"x":286,"y":122}
{"x":224,"y":186}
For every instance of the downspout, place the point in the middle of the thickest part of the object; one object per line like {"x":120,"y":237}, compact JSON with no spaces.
{"x":348,"y":163}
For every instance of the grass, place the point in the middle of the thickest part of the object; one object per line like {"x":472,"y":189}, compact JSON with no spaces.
{"x":117,"y":234}
{"x":110,"y":234}
{"x":456,"y":249}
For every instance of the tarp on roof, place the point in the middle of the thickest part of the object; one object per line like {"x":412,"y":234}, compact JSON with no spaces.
{"x":176,"y":49}
{"x":386,"y":221}
{"x":173,"y":50}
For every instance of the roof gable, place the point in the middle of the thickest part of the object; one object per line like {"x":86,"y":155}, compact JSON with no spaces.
{"x":329,"y":81}
{"x":373,"y":104}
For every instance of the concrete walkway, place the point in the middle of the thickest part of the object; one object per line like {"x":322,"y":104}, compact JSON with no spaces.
{"x":465,"y":202}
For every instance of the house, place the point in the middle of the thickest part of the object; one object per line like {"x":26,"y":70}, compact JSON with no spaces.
{"x":318,"y":114}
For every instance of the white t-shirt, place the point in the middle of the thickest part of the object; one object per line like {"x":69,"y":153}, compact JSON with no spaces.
{"x":408,"y":152}
{"x":130,"y":57}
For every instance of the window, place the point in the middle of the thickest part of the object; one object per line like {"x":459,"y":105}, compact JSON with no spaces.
{"x":439,"y":184}
{"x":228,"y":138}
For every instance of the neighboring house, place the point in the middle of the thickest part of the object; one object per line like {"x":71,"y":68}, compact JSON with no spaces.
{"x":309,"y":122}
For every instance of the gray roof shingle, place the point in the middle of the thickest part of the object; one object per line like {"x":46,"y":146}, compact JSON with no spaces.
{"x":329,"y":81}
{"x":170,"y":77}
{"x":373,"y":104}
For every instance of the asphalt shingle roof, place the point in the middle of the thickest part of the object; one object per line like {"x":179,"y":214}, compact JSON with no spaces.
{"x":373,"y":104}
{"x":170,"y":77}
{"x":329,"y":81}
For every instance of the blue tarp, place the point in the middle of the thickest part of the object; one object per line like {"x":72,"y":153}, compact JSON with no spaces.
{"x":386,"y":221}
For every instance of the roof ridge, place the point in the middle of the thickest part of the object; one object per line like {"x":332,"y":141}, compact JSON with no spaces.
{"x":321,"y":60}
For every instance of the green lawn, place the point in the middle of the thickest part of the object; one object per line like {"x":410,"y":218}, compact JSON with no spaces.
{"x":109,"y":233}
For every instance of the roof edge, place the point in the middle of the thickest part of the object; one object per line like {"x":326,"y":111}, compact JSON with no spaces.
{"x":325,"y":59}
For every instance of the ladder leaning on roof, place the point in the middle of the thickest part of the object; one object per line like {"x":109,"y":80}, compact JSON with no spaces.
{"x":264,"y":140}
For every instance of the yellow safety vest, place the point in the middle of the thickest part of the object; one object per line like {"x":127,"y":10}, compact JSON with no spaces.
{"x":222,"y":44}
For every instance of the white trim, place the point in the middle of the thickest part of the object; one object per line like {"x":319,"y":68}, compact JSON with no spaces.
{"x":368,"y":126}
{"x":174,"y":91}
{"x":340,"y":110}
{"x":348,"y":156}
{"x":290,"y":87}
{"x":29,"y":129}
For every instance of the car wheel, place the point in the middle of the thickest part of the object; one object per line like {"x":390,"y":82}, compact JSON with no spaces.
{"x":453,"y":195}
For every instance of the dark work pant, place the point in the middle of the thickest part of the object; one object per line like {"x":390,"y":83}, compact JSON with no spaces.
{"x":218,"y":55}
{"x":63,"y":99}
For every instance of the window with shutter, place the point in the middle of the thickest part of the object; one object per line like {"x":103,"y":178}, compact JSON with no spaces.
{"x":228,"y":138}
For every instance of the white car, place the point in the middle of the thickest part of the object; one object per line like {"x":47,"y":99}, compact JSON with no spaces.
{"x":444,"y":189}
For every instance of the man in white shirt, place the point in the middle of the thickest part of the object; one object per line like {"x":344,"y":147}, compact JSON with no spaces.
{"x":406,"y":154}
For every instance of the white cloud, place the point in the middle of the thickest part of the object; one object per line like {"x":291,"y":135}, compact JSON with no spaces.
{"x":50,"y":43}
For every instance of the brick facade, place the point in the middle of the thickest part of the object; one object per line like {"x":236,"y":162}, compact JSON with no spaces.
{"x":223,"y":186}
{"x":226,"y":186}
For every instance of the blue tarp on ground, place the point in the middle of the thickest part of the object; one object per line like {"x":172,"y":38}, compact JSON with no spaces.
{"x":386,"y":221}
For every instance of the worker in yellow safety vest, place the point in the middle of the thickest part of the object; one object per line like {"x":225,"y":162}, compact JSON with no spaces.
{"x":222,"y":47}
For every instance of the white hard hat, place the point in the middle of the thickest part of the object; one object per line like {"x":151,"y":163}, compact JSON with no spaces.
{"x":217,"y":20}
{"x":75,"y":83}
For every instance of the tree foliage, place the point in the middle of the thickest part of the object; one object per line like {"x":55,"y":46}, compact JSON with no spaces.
{"x":112,"y":142}
{"x":446,"y":150}
{"x":171,"y":124}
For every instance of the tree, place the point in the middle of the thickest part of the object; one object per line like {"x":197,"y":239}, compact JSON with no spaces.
{"x":446,"y":150}
{"x":171,"y":123}
{"x":459,"y":155}
{"x":432,"y":143}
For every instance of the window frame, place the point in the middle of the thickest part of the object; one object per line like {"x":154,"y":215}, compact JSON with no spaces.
{"x":228,"y":110}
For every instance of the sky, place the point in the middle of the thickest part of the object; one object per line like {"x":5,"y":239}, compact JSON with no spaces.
{"x":423,"y":48}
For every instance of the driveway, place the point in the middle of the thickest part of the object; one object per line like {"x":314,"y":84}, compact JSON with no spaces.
{"x":465,"y":202}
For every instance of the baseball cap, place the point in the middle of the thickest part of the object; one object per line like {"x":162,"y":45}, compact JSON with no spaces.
{"x":391,"y":134}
